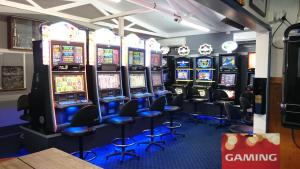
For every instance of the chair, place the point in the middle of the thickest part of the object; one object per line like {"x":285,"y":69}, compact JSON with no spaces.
{"x":83,"y":124}
{"x":155,"y":110}
{"x":126,"y":116}
{"x":220,"y":98}
{"x":172,"y":125}
{"x":197,"y":99}
{"x":247,"y":116}
{"x":23,"y":105}
{"x":234,"y":119}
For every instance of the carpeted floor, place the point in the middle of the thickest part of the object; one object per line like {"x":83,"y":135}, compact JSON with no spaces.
{"x":200,"y":149}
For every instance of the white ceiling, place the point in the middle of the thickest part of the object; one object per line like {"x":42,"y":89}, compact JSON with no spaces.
{"x":152,"y":17}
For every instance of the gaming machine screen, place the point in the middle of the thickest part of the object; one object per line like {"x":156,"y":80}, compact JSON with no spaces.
{"x":228,"y":79}
{"x":67,"y":54}
{"x":137,"y":80}
{"x":155,"y":59}
{"x":136,"y":57}
{"x":156,"y":79}
{"x":108,"y":56}
{"x":68,"y":83}
{"x":182,"y":75}
{"x":204,"y":63}
{"x":228,"y":61}
{"x":109,"y":81}
{"x":204,"y":75}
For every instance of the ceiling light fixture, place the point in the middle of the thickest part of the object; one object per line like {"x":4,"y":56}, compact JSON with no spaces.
{"x":195,"y":26}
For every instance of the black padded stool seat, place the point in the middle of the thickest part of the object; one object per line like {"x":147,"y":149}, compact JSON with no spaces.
{"x":82,"y":124}
{"x":125,"y":117}
{"x":120,"y":120}
{"x":150,"y":113}
{"x":23,"y":104}
{"x":155,"y":111}
{"x":171,"y":110}
{"x":77,"y":131}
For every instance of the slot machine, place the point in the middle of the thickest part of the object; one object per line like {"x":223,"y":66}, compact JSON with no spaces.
{"x":204,"y":77}
{"x":251,"y":70}
{"x":154,"y":68}
{"x":105,"y":58}
{"x":59,"y":86}
{"x":229,"y":76}
{"x":183,"y":74}
{"x":134,"y":74}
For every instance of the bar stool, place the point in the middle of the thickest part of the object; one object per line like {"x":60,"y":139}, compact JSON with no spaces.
{"x":155,"y":110}
{"x":220,"y":98}
{"x":23,"y":105}
{"x":126,"y":116}
{"x":171,"y":110}
{"x":83,"y":124}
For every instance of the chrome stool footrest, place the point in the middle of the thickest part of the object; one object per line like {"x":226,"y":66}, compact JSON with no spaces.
{"x":128,"y":142}
{"x":86,"y":155}
{"x":174,"y":125}
{"x":157,"y":133}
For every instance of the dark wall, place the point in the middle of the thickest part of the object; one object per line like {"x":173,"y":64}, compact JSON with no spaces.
{"x":215,"y":39}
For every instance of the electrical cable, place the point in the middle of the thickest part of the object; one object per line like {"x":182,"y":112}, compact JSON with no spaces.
{"x":282,"y":21}
{"x":294,"y":140}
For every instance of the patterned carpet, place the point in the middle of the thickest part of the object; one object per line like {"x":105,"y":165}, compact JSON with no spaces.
{"x":200,"y":149}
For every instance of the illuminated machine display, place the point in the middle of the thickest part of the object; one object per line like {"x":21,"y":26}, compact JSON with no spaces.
{"x":135,"y":78}
{"x":183,"y":74}
{"x":105,"y":58}
{"x":59,"y":86}
{"x":154,"y":64}
{"x":229,"y":75}
{"x":251,"y":69}
{"x":204,"y":77}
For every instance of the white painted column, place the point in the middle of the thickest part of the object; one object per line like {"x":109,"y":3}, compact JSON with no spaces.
{"x":261,"y":71}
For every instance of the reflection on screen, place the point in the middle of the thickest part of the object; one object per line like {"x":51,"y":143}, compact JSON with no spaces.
{"x":62,"y":54}
{"x":182,"y":74}
{"x":137,"y":80}
{"x":228,"y":79}
{"x":204,"y":63}
{"x":68,"y":83}
{"x":155,"y":59}
{"x":251,"y":60}
{"x":136,"y":58}
{"x":156,"y":79}
{"x":107,"y":56}
{"x":228,"y":61}
{"x":204,"y":75}
{"x":251,"y":79}
{"x":109,"y":81}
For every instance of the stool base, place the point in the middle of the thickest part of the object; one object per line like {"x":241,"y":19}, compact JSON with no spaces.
{"x":153,"y":143}
{"x":123,"y":154}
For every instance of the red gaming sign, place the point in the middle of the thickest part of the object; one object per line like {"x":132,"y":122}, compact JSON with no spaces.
{"x":260,"y":151}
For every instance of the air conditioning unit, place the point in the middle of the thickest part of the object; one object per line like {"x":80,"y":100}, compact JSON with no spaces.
{"x":172,"y":42}
{"x":244,"y":36}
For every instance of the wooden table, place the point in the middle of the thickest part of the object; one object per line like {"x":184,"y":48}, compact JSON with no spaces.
{"x":48,"y":159}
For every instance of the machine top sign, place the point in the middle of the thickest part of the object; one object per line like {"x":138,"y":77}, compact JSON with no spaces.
{"x":205,"y":49}
{"x":229,"y":46}
{"x":184,"y":50}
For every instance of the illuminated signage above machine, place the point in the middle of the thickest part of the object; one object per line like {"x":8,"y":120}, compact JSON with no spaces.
{"x":165,"y":50}
{"x":184,"y":50}
{"x":229,"y":46}
{"x":205,"y":49}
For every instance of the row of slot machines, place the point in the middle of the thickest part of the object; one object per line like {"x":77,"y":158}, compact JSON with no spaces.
{"x":66,"y":78}
{"x":204,"y":75}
